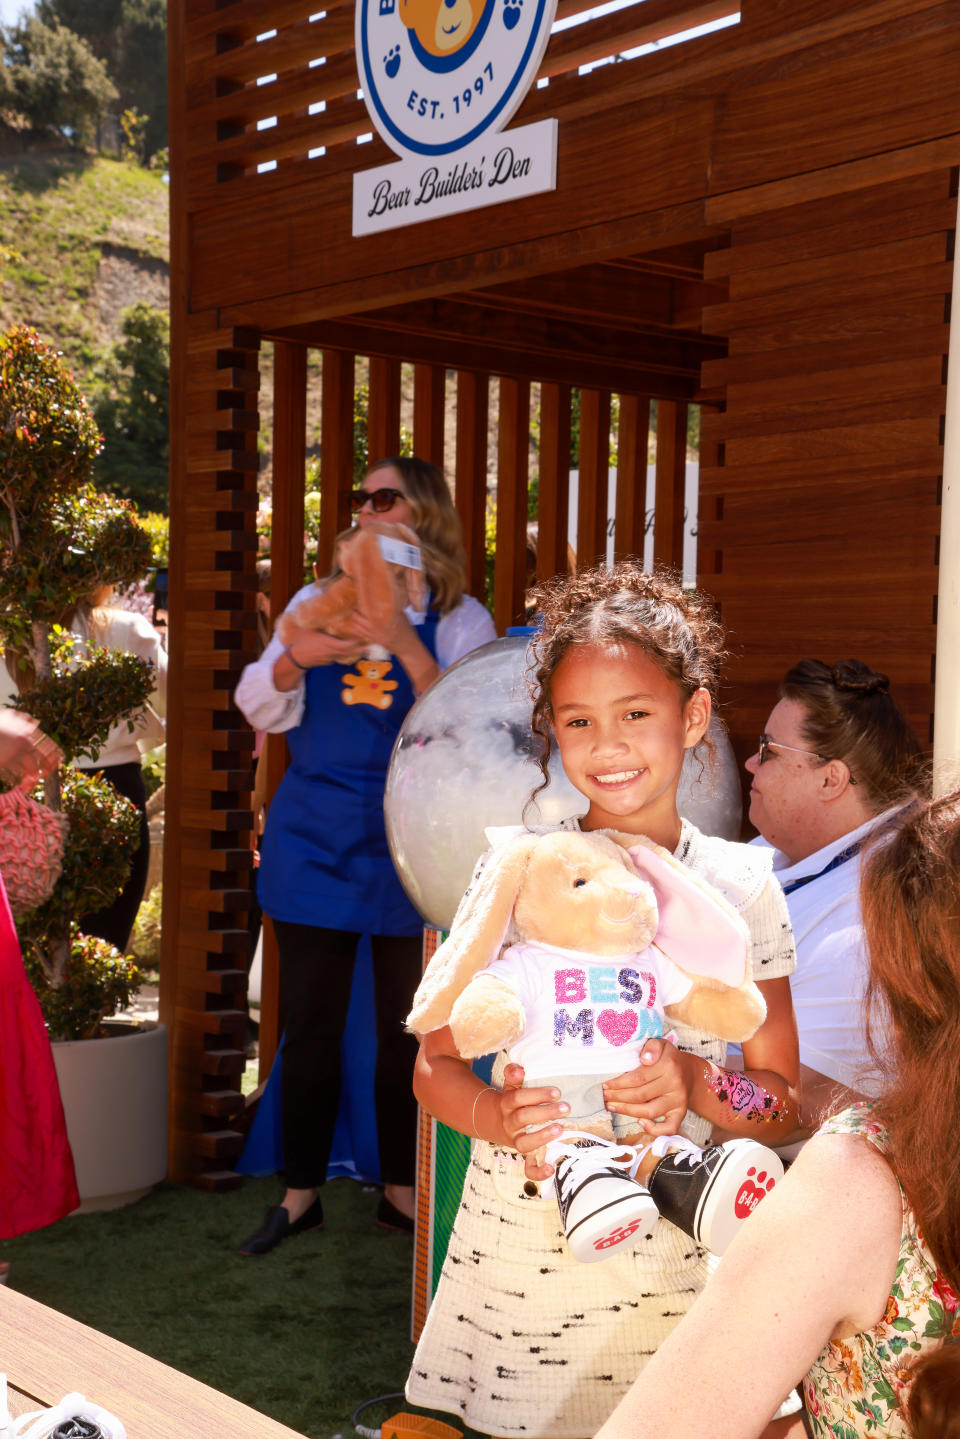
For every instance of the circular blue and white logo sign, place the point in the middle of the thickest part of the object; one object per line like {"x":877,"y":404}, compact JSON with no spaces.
{"x":439,"y":74}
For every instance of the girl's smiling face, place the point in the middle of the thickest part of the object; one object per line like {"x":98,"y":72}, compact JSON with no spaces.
{"x":622,"y":727}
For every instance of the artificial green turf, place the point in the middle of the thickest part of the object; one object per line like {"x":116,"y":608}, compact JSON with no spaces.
{"x":304,"y":1334}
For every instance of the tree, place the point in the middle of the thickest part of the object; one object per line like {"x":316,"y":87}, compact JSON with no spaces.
{"x":53,"y":79}
{"x":133,"y":410}
{"x":59,"y":539}
{"x":130,"y":37}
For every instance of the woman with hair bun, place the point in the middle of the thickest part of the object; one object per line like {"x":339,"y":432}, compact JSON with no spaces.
{"x":835,"y":763}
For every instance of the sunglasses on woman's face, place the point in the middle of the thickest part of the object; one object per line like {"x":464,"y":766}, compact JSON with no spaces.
{"x":382,"y":500}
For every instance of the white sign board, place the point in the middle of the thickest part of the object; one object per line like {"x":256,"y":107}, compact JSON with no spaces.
{"x":488,"y":172}
{"x":441,"y":79}
{"x":690,"y":502}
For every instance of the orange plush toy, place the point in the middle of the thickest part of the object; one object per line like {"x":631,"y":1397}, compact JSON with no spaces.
{"x":378,"y":572}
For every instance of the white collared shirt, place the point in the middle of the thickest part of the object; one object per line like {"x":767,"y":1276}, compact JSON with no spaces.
{"x":830,"y":978}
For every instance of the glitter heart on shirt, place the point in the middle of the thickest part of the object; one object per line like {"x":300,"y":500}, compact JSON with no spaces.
{"x":617,"y":1026}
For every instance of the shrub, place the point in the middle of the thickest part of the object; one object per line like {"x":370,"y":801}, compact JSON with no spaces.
{"x":96,"y":982}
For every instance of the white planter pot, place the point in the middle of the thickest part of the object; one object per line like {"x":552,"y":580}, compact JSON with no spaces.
{"x":114,"y":1095}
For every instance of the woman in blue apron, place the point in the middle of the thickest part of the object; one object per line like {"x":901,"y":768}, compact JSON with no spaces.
{"x":326,"y":876}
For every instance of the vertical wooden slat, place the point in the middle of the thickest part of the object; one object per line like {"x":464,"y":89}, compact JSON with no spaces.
{"x":429,"y":395}
{"x":470,"y":484}
{"x":336,"y":451}
{"x":286,"y":577}
{"x":554,"y":490}
{"x":383,"y":420}
{"x":631,"y":476}
{"x":513,"y":448}
{"x":594,"y":477}
{"x":671,"y":478}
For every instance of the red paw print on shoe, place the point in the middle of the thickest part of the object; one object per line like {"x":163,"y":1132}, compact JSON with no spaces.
{"x":751,"y":1193}
{"x":618,"y":1235}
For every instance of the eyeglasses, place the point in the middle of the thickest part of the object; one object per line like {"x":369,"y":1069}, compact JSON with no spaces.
{"x":381,"y":500}
{"x":765,"y":744}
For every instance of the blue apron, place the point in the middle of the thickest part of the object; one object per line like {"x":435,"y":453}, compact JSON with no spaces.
{"x":325,"y":859}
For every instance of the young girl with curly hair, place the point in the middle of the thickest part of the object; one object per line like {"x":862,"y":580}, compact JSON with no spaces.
{"x":522,"y":1339}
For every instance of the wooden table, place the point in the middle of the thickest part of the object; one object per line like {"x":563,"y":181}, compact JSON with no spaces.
{"x":45,"y":1355}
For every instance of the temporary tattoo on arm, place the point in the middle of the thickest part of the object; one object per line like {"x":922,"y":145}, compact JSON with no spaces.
{"x":743,"y":1098}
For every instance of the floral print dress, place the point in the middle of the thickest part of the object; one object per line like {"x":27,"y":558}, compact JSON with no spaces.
{"x":859,"y":1386}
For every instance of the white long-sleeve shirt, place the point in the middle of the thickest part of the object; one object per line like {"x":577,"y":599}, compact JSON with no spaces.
{"x":464,"y":629}
{"x":126,"y":630}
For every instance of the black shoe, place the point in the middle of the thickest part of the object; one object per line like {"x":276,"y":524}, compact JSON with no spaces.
{"x":392,"y":1218}
{"x":276,"y":1227}
{"x":709,"y":1193}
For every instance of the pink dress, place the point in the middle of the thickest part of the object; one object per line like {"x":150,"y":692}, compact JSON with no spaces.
{"x":37,"y":1182}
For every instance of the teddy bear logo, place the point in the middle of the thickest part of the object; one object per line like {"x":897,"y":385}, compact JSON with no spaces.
{"x":444,"y":33}
{"x":369,"y":687}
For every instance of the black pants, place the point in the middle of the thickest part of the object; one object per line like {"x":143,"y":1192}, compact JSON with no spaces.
{"x":116,"y":922}
{"x":316,"y":971}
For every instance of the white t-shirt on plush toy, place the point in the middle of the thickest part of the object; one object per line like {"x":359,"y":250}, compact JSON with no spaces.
{"x":586,"y":1014}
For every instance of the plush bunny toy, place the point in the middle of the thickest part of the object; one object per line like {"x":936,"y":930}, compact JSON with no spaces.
{"x":604,"y":943}
{"x":380,"y":574}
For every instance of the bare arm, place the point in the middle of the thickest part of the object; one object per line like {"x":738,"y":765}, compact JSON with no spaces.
{"x":815,"y":1261}
{"x":759,"y":1101}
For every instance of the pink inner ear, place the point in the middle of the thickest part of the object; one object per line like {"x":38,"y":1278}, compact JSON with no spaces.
{"x":696,"y":931}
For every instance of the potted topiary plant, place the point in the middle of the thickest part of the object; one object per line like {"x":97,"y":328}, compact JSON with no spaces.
{"x":59,"y":540}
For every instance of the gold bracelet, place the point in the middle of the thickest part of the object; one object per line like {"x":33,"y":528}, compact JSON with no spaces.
{"x":487,"y":1089}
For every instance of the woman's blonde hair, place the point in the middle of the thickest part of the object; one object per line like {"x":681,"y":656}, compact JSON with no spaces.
{"x":436,"y":523}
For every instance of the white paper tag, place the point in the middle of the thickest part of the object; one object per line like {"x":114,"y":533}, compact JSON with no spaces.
{"x":399,"y":552}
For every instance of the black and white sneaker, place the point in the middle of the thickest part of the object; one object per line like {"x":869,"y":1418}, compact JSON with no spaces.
{"x":601,"y":1207}
{"x":708,"y":1193}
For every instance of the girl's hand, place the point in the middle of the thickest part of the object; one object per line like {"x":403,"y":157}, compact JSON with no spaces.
{"x":519,"y":1108}
{"x":657,"y":1092}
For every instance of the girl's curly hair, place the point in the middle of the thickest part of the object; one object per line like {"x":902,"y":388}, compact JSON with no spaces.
{"x":622,"y":604}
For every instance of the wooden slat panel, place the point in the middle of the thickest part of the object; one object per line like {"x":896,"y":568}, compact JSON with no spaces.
{"x":671,"y":477}
{"x":429,"y":401}
{"x":470,"y":488}
{"x":383,"y":419}
{"x":554,"y":489}
{"x":213,"y":546}
{"x":512,"y":467}
{"x":914,"y":73}
{"x":830,"y":357}
{"x":632,"y":476}
{"x":336,"y":451}
{"x":279,"y":253}
{"x":594,"y":464}
{"x":624,"y":29}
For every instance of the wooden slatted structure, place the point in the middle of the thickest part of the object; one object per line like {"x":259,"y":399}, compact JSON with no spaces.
{"x":759,"y":219}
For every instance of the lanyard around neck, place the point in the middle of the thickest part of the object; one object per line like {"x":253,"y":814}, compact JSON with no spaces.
{"x":835,"y":863}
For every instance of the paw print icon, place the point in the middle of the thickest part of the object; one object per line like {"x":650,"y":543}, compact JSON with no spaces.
{"x":511,"y":13}
{"x":391,"y":61}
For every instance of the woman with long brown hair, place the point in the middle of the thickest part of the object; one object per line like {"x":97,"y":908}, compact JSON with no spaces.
{"x":849,"y":1273}
{"x":326,"y":876}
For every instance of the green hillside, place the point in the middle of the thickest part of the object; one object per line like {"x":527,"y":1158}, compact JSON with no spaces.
{"x":93,"y":235}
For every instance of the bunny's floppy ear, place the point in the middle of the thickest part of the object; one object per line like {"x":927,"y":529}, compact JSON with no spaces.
{"x":479,"y":930}
{"x":698,"y":929}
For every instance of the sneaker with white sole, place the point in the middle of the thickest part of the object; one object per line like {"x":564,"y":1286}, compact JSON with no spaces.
{"x":708,"y":1193}
{"x":601,"y":1207}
